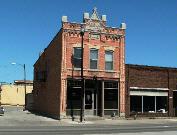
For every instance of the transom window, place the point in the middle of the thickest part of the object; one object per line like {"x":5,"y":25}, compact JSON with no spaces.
{"x":77,"y":57}
{"x":93,"y":58}
{"x":108,"y":60}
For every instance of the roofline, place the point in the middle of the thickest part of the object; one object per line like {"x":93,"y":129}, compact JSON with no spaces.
{"x":149,"y":66}
{"x":110,"y":27}
{"x":48,"y":45}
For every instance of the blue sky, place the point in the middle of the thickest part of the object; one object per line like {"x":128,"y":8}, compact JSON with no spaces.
{"x":27,"y":27}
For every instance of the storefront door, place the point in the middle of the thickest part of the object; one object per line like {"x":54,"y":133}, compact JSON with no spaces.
{"x":89,"y":102}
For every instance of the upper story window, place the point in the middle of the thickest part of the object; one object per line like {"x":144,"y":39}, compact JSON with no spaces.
{"x":93,"y":58}
{"x":77,"y":57}
{"x":108,"y":60}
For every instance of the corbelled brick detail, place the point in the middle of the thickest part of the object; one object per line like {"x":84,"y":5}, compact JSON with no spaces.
{"x":57,"y":61}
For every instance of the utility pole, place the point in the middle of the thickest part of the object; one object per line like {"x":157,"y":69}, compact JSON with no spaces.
{"x":82,"y":76}
{"x":24,"y":68}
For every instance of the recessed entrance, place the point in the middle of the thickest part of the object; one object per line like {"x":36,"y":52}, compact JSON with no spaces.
{"x":89,"y":102}
{"x":101,"y":97}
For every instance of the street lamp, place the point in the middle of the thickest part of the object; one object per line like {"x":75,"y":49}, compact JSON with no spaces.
{"x":24,"y":70}
{"x":82,"y":77}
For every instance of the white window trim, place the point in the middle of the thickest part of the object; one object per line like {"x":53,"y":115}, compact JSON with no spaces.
{"x":97,"y":59}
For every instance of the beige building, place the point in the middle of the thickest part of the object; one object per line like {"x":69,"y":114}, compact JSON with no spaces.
{"x":14,"y":94}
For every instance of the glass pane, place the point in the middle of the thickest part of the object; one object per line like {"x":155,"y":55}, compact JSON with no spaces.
{"x":77,"y":63}
{"x":135,"y":104}
{"x":111,"y":99}
{"x":93,"y":64}
{"x":94,"y":54}
{"x":108,"y":56}
{"x":161,"y":103}
{"x":73,"y":98}
{"x":77,"y":52}
{"x":109,"y":66}
{"x":149,"y":103}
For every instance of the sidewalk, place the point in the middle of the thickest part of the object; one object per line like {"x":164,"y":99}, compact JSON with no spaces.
{"x":18,"y":117}
{"x":138,"y":121}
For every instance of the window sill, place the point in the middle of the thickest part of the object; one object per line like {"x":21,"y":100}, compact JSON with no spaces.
{"x":77,"y":69}
{"x":110,"y":71}
{"x":94,"y":70}
{"x":97,"y":70}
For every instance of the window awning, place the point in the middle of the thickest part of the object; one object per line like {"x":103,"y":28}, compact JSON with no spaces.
{"x":145,"y":88}
{"x":139,"y":91}
{"x":148,"y":93}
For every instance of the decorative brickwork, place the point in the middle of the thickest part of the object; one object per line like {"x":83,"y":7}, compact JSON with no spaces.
{"x":59,"y":55}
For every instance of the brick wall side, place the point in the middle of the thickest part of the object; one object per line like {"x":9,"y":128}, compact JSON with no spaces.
{"x":47,"y":94}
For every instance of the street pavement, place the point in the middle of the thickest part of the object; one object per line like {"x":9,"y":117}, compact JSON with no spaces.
{"x":87,"y":130}
{"x":143,"y":133}
{"x":16,"y":121}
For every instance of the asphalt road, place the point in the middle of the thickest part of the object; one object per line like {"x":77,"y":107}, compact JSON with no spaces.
{"x":92,"y":129}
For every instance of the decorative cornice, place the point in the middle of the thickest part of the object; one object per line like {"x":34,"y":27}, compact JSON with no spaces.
{"x":105,"y":33}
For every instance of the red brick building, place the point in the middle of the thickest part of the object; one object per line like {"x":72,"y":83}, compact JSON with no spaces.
{"x":151,"y":91}
{"x":57,"y":81}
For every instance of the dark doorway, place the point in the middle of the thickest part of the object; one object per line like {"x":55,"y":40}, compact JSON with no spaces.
{"x":175,"y":102}
{"x":88,"y":99}
{"x":91,"y":93}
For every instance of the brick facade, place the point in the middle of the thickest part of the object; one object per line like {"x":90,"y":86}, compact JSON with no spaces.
{"x":55,"y":65}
